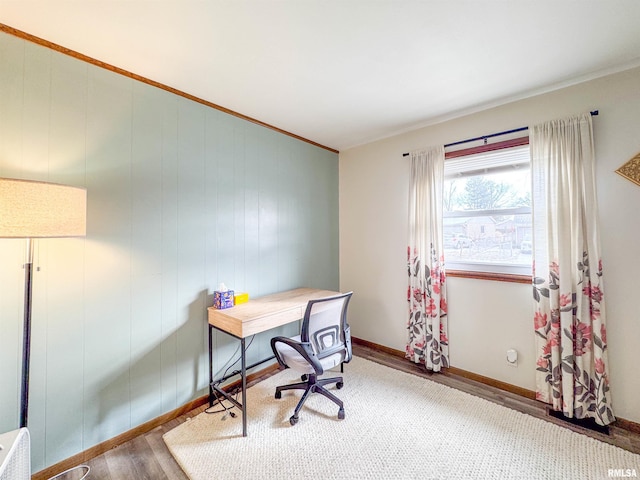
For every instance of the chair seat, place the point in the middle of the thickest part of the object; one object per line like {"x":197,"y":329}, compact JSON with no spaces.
{"x":298,"y":363}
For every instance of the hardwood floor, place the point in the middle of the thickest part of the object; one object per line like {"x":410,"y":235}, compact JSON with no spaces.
{"x":147,"y":457}
{"x":144,"y":458}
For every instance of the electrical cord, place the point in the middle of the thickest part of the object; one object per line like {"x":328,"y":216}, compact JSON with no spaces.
{"x":237,"y":359}
{"x":88,"y":469}
{"x":225,"y":408}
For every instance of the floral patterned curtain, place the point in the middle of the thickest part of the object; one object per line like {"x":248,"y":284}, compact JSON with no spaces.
{"x":569,"y":317}
{"x":427,"y":297}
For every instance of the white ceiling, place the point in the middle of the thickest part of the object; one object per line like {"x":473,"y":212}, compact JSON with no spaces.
{"x":346,"y":72}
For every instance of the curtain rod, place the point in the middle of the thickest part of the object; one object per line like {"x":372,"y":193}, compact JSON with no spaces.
{"x":484,"y":137}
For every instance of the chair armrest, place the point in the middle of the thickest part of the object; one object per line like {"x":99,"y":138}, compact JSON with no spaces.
{"x":303,"y":348}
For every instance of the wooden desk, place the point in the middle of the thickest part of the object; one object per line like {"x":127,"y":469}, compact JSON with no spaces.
{"x":255,"y":316}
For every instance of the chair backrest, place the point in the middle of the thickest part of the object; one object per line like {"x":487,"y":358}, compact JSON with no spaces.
{"x":325,"y":324}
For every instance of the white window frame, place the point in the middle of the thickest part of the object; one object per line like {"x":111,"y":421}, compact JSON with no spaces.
{"x":493,"y":268}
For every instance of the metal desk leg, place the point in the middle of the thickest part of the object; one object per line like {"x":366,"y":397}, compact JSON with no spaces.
{"x":217,"y":392}
{"x":244,"y":389}
{"x":210,"y":366}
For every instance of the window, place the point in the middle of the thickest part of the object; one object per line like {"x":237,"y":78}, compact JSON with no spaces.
{"x":487,"y":209}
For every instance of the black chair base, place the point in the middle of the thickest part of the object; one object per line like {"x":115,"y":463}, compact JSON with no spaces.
{"x":313,"y":384}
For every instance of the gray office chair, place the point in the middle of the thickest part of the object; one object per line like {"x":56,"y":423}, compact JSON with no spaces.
{"x":324,"y":342}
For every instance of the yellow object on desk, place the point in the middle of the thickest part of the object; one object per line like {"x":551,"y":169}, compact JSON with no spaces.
{"x":240,"y":298}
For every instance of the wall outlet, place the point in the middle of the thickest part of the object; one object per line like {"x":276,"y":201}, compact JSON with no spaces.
{"x":512,"y":357}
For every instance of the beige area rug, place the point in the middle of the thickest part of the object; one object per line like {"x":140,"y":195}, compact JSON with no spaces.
{"x":397,"y":426}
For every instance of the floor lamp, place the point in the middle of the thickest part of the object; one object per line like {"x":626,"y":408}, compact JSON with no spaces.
{"x":31,"y":210}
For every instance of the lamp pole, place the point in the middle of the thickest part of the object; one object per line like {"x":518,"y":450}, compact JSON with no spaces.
{"x":26,"y":335}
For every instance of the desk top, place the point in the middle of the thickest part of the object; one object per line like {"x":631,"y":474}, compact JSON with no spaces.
{"x":264,"y":313}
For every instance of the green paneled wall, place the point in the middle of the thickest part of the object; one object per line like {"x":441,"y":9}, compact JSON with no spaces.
{"x":180,"y":198}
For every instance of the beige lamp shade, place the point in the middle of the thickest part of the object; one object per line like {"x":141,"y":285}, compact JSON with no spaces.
{"x":31,"y":209}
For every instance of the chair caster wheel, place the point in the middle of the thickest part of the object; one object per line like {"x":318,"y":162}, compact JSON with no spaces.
{"x":294,"y":419}
{"x":339,"y":385}
{"x":278,"y":394}
{"x":341,"y":414}
{"x":304,"y":377}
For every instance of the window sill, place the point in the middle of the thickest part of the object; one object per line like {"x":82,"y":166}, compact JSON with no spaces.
{"x":498,"y":277}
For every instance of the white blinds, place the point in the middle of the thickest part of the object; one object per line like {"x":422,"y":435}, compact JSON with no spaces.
{"x":488,"y":162}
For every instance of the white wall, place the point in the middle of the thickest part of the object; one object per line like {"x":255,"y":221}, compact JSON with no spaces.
{"x":488,"y":317}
